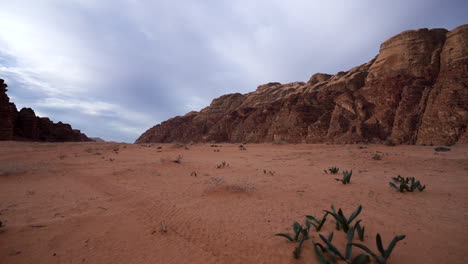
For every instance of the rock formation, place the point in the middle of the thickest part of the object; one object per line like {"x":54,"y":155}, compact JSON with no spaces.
{"x":414,"y":92}
{"x":25,"y":125}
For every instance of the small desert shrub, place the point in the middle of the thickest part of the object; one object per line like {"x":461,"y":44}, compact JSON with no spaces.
{"x":217,"y":180}
{"x":384,"y":253}
{"x":194,"y":173}
{"x":408,"y":184}
{"x":178,"y":159}
{"x":300,"y":234}
{"x":376,"y":156}
{"x":442,"y":149}
{"x":279,"y":142}
{"x":332,"y":170}
{"x":177,"y":145}
{"x":216,"y":150}
{"x":89,"y":150}
{"x":318,"y":224}
{"x":272,"y":173}
{"x":242,"y":147}
{"x":62,"y":156}
{"x":222,"y":165}
{"x":342,"y":222}
{"x":390,"y":143}
{"x":327,"y":252}
{"x":12,"y":170}
{"x":346,"y":177}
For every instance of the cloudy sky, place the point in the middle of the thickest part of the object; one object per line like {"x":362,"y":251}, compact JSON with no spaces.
{"x":114,"y":68}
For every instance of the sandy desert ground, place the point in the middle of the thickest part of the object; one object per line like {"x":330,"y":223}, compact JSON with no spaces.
{"x":124,"y":203}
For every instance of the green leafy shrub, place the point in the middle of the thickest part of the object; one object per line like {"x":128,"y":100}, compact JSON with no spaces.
{"x":301,"y":234}
{"x":442,"y":149}
{"x":346,"y":177}
{"x":341,"y":221}
{"x":318,"y":224}
{"x":384,"y":253}
{"x":360,"y":230}
{"x":298,"y":231}
{"x":332,"y":170}
{"x":334,"y":252}
{"x":408,"y":184}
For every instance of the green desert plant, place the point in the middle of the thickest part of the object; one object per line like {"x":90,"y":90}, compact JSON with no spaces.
{"x":297,"y":250}
{"x":360,"y":230}
{"x":332,"y":170}
{"x":384,"y":253}
{"x":441,"y":149}
{"x":346,"y":177}
{"x":272,"y":173}
{"x":341,"y":221}
{"x":333,"y":251}
{"x":408,"y":184}
{"x":318,"y":224}
{"x":298,"y":231}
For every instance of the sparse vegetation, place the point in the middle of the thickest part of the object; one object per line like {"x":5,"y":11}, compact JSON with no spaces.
{"x":272,"y":173}
{"x":341,"y":221}
{"x":346,"y":177}
{"x":194,"y":173}
{"x":408,"y":184}
{"x":242,"y":147}
{"x":376,"y":156}
{"x":222,"y":165}
{"x":178,"y":159}
{"x":327,"y":252}
{"x":333,"y":251}
{"x":332,"y":170}
{"x":62,"y":156}
{"x":442,"y":149}
{"x":318,"y":224}
{"x":299,"y":232}
{"x":384,"y":253}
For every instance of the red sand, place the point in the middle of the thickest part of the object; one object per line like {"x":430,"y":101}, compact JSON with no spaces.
{"x":69,"y":203}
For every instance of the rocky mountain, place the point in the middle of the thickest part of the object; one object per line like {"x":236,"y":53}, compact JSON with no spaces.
{"x":415,"y":91}
{"x":25,"y":125}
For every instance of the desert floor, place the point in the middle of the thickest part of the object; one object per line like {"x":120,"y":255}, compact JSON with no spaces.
{"x":124,"y":203}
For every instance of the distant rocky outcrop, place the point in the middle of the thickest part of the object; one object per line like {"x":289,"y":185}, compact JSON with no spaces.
{"x":414,"y":92}
{"x":97,"y":139}
{"x":25,"y":125}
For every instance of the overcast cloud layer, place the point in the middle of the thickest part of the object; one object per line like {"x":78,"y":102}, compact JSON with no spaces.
{"x":114,"y":68}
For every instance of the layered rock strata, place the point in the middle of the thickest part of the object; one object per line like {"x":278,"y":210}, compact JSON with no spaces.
{"x":415,"y":91}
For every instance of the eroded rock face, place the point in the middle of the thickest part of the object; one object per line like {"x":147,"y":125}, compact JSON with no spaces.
{"x":414,"y":91}
{"x":6,"y":113}
{"x":25,"y":125}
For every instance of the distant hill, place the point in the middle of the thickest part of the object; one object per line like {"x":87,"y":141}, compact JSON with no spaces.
{"x":97,"y":139}
{"x":413,"y":92}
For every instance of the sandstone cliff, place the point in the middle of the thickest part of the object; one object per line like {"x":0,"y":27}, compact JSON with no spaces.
{"x":25,"y":125}
{"x":414,"y":92}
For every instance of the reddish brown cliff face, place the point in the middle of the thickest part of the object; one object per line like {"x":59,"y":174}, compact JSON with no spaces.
{"x":25,"y":125}
{"x":414,"y":92}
